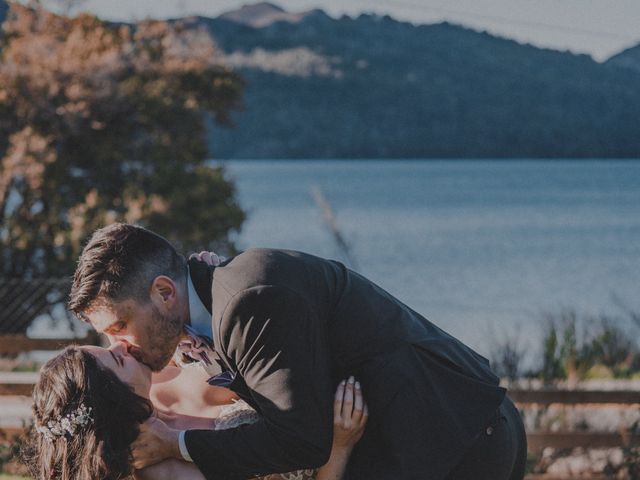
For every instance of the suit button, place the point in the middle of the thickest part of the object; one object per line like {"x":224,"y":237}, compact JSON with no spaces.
{"x":489,"y":430}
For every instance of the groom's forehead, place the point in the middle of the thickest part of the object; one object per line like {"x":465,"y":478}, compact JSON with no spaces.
{"x":104,"y":315}
{"x":101,"y":317}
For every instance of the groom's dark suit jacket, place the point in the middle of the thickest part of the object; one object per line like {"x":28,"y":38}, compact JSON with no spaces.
{"x":290,"y":326}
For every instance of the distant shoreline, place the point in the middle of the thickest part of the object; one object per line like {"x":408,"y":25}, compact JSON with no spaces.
{"x":434,"y":159}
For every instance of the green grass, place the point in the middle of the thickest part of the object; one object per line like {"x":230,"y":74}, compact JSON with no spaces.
{"x":4,"y":476}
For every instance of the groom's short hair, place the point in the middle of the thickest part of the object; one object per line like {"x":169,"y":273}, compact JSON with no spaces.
{"x":120,"y":262}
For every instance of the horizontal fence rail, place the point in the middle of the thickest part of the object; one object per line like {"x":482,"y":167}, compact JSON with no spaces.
{"x":549,"y":396}
{"x":544,"y":476}
{"x":15,"y":383}
{"x":538,"y":441}
{"x":13,"y":343}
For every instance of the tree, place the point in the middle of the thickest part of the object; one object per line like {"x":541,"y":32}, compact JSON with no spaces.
{"x":101,"y":123}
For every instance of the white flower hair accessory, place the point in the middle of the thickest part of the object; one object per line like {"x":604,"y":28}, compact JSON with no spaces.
{"x":80,"y":417}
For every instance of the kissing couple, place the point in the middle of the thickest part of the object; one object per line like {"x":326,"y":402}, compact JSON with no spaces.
{"x":274,"y":364}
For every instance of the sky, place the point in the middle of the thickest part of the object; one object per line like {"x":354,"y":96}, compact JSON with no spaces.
{"x":600,"y":28}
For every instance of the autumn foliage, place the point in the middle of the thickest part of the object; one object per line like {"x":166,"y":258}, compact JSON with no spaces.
{"x":102,"y":122}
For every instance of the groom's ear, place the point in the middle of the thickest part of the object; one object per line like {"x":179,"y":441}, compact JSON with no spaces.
{"x":164,"y":292}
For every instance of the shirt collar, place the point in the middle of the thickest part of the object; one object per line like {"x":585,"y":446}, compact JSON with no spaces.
{"x":199,"y":316}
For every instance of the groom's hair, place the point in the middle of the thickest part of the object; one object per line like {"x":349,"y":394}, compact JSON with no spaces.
{"x":120,"y":262}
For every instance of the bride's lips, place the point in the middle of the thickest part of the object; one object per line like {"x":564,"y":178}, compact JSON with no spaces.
{"x":136,"y":353}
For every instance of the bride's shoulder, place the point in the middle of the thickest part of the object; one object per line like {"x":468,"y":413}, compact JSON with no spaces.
{"x":234,"y":414}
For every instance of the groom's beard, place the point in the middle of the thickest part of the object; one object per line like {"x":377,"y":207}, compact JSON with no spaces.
{"x":163,"y":336}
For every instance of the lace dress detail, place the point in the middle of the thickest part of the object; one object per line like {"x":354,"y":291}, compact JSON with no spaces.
{"x":235,"y":414}
{"x":241,"y":413}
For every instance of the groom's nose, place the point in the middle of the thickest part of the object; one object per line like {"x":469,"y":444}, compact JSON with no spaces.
{"x":130,"y":349}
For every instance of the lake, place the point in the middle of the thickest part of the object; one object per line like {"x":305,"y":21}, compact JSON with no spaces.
{"x":482,"y":248}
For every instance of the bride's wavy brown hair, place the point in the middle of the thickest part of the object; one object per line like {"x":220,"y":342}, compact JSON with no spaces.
{"x":101,"y":449}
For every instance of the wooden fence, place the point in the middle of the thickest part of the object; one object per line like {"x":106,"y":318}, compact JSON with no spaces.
{"x":15,"y":343}
{"x":537,"y":441}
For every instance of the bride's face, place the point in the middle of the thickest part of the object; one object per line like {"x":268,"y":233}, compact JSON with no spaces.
{"x":117,"y":359}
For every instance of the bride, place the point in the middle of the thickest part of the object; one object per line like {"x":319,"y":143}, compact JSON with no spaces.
{"x":89,"y":402}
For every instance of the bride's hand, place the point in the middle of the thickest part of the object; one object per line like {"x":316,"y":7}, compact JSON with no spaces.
{"x":210,"y":258}
{"x":350,"y":414}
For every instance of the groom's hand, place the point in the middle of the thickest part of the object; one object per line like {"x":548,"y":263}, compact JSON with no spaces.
{"x":156,"y":442}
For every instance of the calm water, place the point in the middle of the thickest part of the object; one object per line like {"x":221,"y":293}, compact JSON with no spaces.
{"x":481,"y":248}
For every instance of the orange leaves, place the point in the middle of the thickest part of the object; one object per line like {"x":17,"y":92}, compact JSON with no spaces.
{"x":26,"y":159}
{"x":100,"y":123}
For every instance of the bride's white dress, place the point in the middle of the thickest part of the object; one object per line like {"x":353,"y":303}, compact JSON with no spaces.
{"x":240,"y":413}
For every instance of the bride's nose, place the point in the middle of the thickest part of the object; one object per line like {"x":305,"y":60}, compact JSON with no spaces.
{"x":120,"y":348}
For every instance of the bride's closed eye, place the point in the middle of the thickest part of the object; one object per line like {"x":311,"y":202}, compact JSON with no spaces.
{"x":118,"y":360}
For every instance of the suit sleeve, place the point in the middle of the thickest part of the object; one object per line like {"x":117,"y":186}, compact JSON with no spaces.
{"x":280,"y":349}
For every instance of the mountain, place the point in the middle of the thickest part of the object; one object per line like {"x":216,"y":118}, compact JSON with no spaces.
{"x":262,"y":15}
{"x":629,"y":58}
{"x":371,"y":87}
{"x":375,"y":87}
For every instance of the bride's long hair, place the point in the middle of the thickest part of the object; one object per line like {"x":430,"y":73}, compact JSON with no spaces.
{"x":97,"y":447}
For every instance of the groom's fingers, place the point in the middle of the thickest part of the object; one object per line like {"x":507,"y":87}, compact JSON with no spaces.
{"x":155,"y":442}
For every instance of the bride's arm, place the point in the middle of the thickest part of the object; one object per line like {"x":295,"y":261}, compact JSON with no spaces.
{"x":170,"y":470}
{"x":350,"y":415}
{"x":349,"y":420}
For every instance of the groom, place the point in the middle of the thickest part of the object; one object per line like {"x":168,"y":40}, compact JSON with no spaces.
{"x":286,"y":328}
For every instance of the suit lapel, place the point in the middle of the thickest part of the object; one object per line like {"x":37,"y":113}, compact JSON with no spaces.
{"x":202,"y":279}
